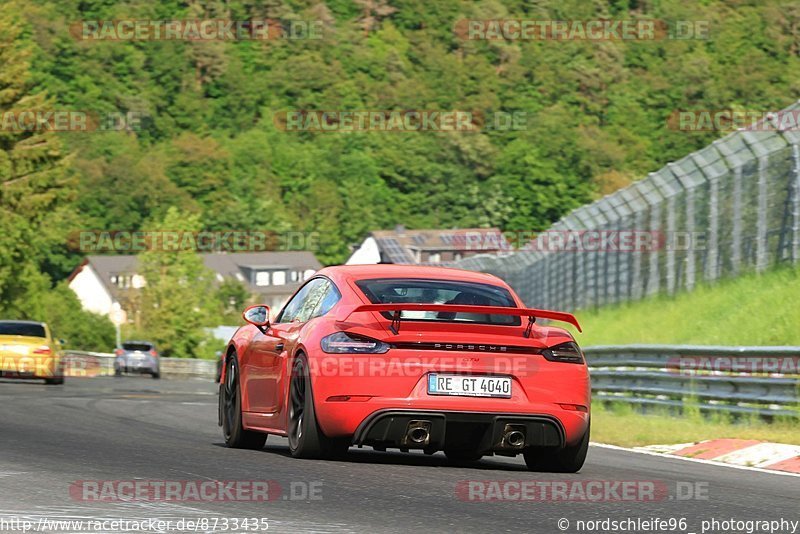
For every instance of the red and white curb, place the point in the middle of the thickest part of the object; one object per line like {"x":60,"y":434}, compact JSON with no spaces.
{"x":740,"y":453}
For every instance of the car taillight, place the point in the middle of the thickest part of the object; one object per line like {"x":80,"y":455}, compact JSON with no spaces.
{"x":153,"y":353}
{"x":344,"y":343}
{"x":119,"y":352}
{"x":44,"y":349}
{"x":568,"y":352}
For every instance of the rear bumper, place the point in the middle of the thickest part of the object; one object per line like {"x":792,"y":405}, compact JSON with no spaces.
{"x":453,"y":421}
{"x":345,"y":406}
{"x":482,"y":431}
{"x":132,"y":365}
{"x":18,"y":366}
{"x":139,"y":370}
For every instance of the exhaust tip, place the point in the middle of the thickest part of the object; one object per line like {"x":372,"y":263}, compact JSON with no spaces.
{"x":418,"y":435}
{"x":418,"y":432}
{"x":513,"y":437}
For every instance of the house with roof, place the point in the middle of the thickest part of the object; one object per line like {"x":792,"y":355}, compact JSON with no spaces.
{"x":427,"y":246}
{"x":107,"y":284}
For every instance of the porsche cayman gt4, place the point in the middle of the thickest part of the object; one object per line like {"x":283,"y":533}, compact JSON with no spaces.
{"x":408,"y":357}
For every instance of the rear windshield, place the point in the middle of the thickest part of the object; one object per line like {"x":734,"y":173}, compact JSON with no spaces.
{"x":11,"y":328}
{"x":144,"y":347}
{"x":391,"y":291}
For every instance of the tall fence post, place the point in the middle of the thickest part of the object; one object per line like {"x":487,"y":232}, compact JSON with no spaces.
{"x":712,"y":259}
{"x":671,"y":248}
{"x":689,"y":194}
{"x":796,"y":205}
{"x":653,"y":274}
{"x":690,"y":229}
{"x":736,"y":215}
{"x":762,"y":256}
{"x":637,"y":254}
{"x":580,"y":279}
{"x":546,"y":280}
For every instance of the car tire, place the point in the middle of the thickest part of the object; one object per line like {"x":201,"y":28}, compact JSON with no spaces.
{"x":306,"y":439}
{"x":58,"y":375}
{"x":570,"y":459}
{"x":156,"y":375}
{"x":230,"y":410}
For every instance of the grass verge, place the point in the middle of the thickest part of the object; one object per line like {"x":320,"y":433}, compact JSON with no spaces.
{"x":749,"y":310}
{"x":619,"y":424}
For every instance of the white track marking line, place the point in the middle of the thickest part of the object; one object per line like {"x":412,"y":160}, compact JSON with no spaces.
{"x":696,"y":460}
{"x":664,"y":449}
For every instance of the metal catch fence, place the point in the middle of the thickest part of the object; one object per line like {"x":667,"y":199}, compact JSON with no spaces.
{"x":731,"y":207}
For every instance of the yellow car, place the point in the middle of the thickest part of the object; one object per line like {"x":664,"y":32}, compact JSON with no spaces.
{"x":27,"y":350}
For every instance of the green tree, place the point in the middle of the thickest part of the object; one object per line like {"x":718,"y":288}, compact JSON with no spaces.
{"x":232,"y":296}
{"x":33,"y":181}
{"x":82,"y":330}
{"x":596,"y":115}
{"x":177,"y":301}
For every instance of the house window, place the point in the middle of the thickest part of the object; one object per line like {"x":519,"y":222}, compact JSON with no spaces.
{"x":435,"y":257}
{"x":308,"y":274}
{"x":279,"y":278}
{"x":239,"y":277}
{"x":262,"y":278}
{"x":295,"y":275}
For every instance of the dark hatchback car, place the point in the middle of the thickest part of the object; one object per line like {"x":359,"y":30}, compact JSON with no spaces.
{"x":139,"y":357}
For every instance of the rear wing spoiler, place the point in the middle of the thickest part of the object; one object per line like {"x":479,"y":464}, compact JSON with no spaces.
{"x":531,"y":313}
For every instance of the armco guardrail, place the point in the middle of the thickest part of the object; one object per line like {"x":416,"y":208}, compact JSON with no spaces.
{"x":188,"y":368}
{"x":757,"y":380}
{"x":80,"y":363}
{"x":90,"y":364}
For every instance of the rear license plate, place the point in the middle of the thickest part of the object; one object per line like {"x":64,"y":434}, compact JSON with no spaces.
{"x":469,"y":386}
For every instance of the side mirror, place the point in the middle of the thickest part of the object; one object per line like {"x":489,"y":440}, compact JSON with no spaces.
{"x":257,"y":315}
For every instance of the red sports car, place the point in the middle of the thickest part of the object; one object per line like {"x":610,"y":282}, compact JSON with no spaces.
{"x":408,"y":357}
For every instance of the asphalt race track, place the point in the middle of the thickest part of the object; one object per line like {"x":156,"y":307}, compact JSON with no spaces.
{"x":132,"y":428}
